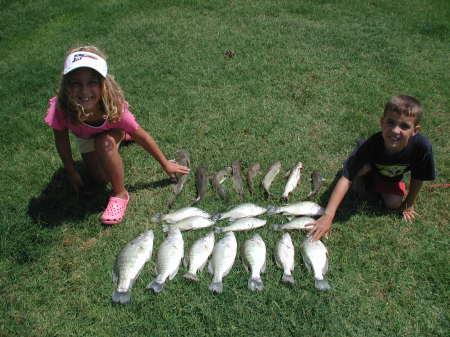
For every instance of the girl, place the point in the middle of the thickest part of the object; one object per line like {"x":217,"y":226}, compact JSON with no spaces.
{"x":91,"y":105}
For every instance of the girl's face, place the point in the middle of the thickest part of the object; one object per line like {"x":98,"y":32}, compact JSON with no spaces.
{"x":85,"y":89}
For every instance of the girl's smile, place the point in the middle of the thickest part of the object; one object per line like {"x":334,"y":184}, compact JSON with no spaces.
{"x":85,"y":89}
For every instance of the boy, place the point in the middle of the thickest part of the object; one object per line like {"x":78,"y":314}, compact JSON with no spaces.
{"x":383,"y":159}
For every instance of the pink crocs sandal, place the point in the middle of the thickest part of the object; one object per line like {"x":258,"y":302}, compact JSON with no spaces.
{"x":115,"y":210}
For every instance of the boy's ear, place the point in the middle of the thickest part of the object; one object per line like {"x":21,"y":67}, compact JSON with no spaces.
{"x":416,"y":129}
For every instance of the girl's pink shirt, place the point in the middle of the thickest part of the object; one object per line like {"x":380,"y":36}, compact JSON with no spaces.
{"x":55,"y":118}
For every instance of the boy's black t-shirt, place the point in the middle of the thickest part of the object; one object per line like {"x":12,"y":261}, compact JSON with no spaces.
{"x":416,"y":157}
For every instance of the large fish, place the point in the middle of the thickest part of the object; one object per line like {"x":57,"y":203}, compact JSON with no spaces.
{"x":299,"y":208}
{"x":295,"y":224}
{"x":129,"y":264}
{"x":180,"y":214}
{"x":218,"y":179}
{"x":198,"y":255}
{"x":241,"y":211}
{"x":170,"y":254}
{"x":242,"y":224}
{"x":253,"y":170}
{"x":316,"y":183}
{"x":316,"y":261}
{"x":293,"y":180}
{"x":222,"y":260}
{"x":188,"y":224}
{"x":238,"y":182}
{"x":273,"y":171}
{"x":201,"y":183}
{"x":284,"y":258}
{"x":254,"y":253}
{"x":182,"y":157}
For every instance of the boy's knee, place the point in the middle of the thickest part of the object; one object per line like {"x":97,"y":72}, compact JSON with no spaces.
{"x":392,"y":201}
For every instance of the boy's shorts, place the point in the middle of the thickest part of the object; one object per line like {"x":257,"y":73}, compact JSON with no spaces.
{"x":85,"y":145}
{"x":389,"y":187}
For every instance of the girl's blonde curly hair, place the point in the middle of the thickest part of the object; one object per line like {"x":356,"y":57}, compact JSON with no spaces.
{"x":112,"y":98}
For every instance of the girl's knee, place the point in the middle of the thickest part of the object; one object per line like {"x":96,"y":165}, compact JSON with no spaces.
{"x":105,"y":142}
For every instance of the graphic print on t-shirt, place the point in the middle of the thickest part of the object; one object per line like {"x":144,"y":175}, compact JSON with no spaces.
{"x":391,"y":171}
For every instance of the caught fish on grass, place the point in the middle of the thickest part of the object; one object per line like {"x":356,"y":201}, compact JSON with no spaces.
{"x":189,"y":224}
{"x":179,"y":214}
{"x":293,"y":180}
{"x":238,"y":182}
{"x":242,"y":224}
{"x":223,"y":256}
{"x":129,"y":264}
{"x":269,"y":177}
{"x":295,"y":224}
{"x":284,"y":258}
{"x":253,"y":170}
{"x":240,"y":211}
{"x":316,"y":183}
{"x":182,"y":157}
{"x":170,"y":254}
{"x":254,"y":257}
{"x":201,"y":183}
{"x":218,"y":179}
{"x":299,"y":208}
{"x":315,"y":257}
{"x":198,"y":255}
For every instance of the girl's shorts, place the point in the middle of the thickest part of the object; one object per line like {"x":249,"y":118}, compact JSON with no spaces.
{"x":389,"y":187}
{"x":85,"y":145}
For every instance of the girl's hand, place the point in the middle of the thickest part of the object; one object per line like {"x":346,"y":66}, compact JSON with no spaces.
{"x":409,"y":214}
{"x":173,"y":168}
{"x":320,"y":227}
{"x":75,"y":181}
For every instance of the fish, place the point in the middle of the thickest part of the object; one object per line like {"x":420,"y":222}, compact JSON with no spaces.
{"x":273,"y":171}
{"x":188,"y":224}
{"x":284,"y":258}
{"x":238,"y":182}
{"x":182,"y":157}
{"x":180,"y":214}
{"x":316,"y":261}
{"x":201,"y":183}
{"x":218,"y":179}
{"x":198,"y":255}
{"x":316,"y":183}
{"x":253,"y":170}
{"x":240,"y":211}
{"x":170,"y":253}
{"x":128,"y":265}
{"x":295,"y":224}
{"x":293,"y":180}
{"x":242,"y":224}
{"x":254,"y":253}
{"x":309,"y":208}
{"x":222,"y":259}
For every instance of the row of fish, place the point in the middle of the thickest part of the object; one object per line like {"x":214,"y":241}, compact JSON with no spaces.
{"x":221,"y":255}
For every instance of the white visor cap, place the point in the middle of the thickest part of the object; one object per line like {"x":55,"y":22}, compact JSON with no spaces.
{"x":84,"y":59}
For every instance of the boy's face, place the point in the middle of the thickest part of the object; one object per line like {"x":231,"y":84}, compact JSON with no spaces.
{"x":396,"y":130}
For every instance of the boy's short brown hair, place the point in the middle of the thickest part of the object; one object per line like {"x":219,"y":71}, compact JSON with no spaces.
{"x":405,"y":105}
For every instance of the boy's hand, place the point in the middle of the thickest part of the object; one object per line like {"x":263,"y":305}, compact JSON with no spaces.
{"x":409,"y":214}
{"x":320,"y":227}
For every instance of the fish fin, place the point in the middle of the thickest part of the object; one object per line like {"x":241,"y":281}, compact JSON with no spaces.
{"x":263,"y":268}
{"x":210,"y":268}
{"x":175,"y":272}
{"x":190,"y":276}
{"x":289,"y":279}
{"x":156,"y":217}
{"x":165,"y":228}
{"x":155,"y":286}
{"x":322,"y":284}
{"x":218,"y":230}
{"x":186,"y":260}
{"x":244,"y":261}
{"x":216,"y":217}
{"x":276,"y":227}
{"x":325,"y":268}
{"x":216,"y":287}
{"x":202,"y":266}
{"x":255,"y":284}
{"x":277,"y":262}
{"x":114,"y":275}
{"x":307,"y":264}
{"x":121,"y":297}
{"x":271,"y":210}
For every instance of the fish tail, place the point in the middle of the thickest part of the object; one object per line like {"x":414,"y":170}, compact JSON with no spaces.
{"x":155,"y":286}
{"x":216,"y":217}
{"x":255,"y":284}
{"x":289,"y":279}
{"x":322,"y":284}
{"x":218,"y":230}
{"x":121,"y":297}
{"x":156,"y":218}
{"x":271,"y":210}
{"x":276,"y":227}
{"x":190,"y":276}
{"x":216,"y":287}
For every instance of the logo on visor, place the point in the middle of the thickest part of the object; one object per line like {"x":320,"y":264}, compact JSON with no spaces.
{"x":78,"y":57}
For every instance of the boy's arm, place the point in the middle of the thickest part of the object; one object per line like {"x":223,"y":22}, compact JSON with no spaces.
{"x":408,"y":205}
{"x":321,"y":226}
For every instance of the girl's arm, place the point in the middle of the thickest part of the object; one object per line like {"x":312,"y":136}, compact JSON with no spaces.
{"x":408,"y":205}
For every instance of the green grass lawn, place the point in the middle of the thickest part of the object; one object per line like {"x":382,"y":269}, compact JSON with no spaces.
{"x":308,"y":79}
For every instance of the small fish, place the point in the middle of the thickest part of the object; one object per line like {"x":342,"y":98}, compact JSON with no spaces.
{"x":223,"y":256}
{"x":241,"y":211}
{"x":170,"y":254}
{"x":238,"y":182}
{"x":179,"y":214}
{"x":316,"y":183}
{"x":295,"y":224}
{"x":198,"y":255}
{"x":300,"y":208}
{"x":188,"y":224}
{"x":316,"y":261}
{"x":201,"y":182}
{"x":219,"y":178}
{"x":270,"y":176}
{"x":284,"y":258}
{"x":129,"y":264}
{"x":293,"y":180}
{"x":252,"y":172}
{"x":243,"y":224}
{"x":182,"y":157}
{"x":255,"y":261}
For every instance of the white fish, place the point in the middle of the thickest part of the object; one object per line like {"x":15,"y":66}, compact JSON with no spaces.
{"x":129,"y":264}
{"x":295,"y":224}
{"x":293,"y":180}
{"x":180,"y":214}
{"x":222,"y":260}
{"x":243,"y":224}
{"x":316,"y":260}
{"x":170,"y":254}
{"x":255,"y":261}
{"x":191,"y":223}
{"x":241,"y":211}
{"x":284,"y":258}
{"x":198,"y":255}
{"x":309,"y":208}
